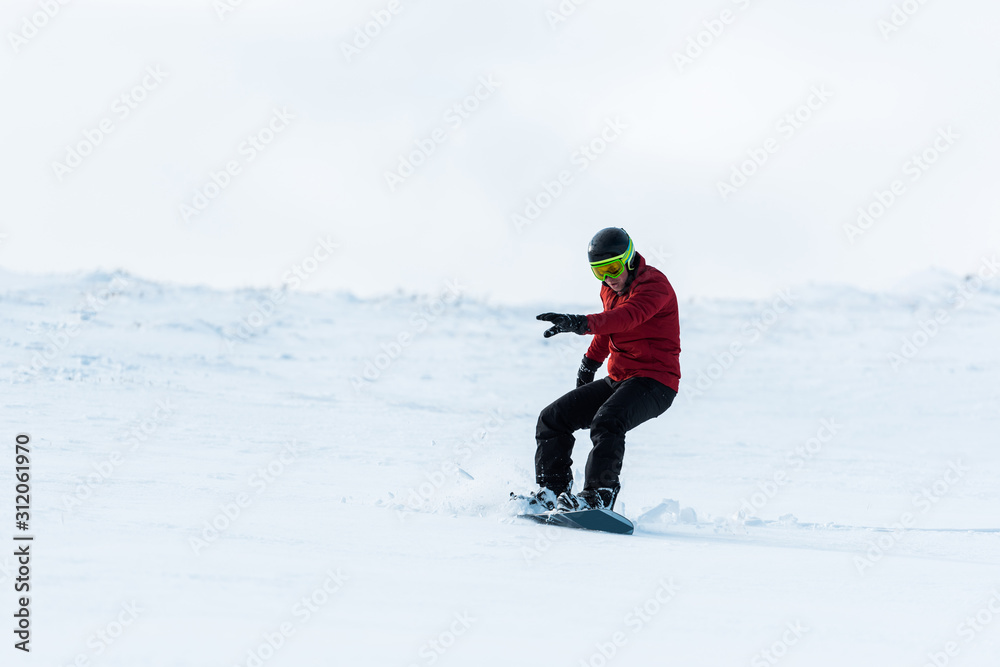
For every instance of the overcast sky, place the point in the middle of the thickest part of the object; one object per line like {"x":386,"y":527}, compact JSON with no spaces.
{"x":183,"y":85}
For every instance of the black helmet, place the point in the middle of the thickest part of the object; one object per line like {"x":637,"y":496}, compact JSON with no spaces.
{"x":611,"y":242}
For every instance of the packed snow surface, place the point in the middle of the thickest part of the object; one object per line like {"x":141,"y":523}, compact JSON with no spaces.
{"x":281,"y":478}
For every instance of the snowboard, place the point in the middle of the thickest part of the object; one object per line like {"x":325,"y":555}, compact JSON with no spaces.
{"x":602,"y":520}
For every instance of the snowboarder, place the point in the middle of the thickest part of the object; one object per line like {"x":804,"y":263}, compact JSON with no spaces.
{"x":640,"y":331}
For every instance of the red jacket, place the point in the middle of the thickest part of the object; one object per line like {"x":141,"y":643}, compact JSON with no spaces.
{"x":639,"y":329}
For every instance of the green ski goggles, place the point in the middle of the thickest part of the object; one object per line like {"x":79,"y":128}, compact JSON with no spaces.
{"x":614,"y":267}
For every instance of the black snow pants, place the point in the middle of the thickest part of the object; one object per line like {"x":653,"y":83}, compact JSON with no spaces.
{"x":608,"y":409}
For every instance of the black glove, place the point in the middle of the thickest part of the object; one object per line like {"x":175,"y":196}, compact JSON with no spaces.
{"x":586,"y":373}
{"x":564,"y":324}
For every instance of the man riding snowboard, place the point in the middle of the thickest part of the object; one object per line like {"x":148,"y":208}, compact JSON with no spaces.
{"x":639,"y":329}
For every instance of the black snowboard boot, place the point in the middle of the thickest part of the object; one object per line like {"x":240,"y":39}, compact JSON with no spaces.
{"x":588,"y":499}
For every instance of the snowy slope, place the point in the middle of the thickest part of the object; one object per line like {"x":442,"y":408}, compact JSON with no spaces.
{"x":353,"y":456}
